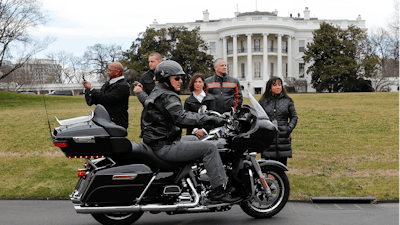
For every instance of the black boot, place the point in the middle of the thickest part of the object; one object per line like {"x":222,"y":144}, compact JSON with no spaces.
{"x":220,"y":195}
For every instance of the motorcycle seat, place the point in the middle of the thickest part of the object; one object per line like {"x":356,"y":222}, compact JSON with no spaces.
{"x":146,"y":155}
{"x":102,"y":118}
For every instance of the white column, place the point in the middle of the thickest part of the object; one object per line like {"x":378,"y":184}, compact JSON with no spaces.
{"x":249,"y":58}
{"x":224,"y":49}
{"x":265,"y":57}
{"x":280,"y":56}
{"x":235,"y":57}
{"x":289,"y":56}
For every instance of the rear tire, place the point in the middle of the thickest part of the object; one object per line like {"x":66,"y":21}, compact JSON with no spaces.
{"x":117,"y":218}
{"x":262,"y":206}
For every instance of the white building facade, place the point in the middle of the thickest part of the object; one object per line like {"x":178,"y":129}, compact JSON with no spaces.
{"x":258,"y":45}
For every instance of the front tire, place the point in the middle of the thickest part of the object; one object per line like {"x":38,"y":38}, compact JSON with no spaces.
{"x":117,"y":218}
{"x":262,"y":206}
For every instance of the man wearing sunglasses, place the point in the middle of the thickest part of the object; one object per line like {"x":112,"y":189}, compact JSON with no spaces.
{"x":163,"y":117}
{"x":113,"y":95}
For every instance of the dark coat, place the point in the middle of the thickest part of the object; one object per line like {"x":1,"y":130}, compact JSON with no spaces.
{"x":286,"y":117}
{"x":147,"y":81}
{"x":114,"y":98}
{"x":163,"y":116}
{"x":193,"y":105}
{"x":227,"y":92}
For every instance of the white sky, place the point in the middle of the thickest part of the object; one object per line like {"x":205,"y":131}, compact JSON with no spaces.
{"x":81,"y":23}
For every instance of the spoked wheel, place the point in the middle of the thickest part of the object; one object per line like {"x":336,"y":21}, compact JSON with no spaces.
{"x":262,"y":205}
{"x":117,"y":218}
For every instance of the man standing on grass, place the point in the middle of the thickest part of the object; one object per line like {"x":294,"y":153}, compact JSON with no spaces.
{"x":147,"y":79}
{"x":113,"y":95}
{"x":226,"y":89}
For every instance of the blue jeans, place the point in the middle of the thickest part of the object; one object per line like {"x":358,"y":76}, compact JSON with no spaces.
{"x":190,"y":148}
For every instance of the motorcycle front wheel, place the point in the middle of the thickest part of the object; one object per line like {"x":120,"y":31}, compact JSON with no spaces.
{"x":117,"y":218}
{"x":263,"y":206}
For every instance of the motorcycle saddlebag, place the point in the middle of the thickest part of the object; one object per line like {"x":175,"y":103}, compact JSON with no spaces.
{"x":121,"y":184}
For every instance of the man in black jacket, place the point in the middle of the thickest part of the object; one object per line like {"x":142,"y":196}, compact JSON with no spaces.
{"x":162,"y":118}
{"x":147,"y":79}
{"x":226,"y":89}
{"x":113,"y":95}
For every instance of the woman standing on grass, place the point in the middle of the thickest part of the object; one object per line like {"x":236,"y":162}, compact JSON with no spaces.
{"x":280,"y":109}
{"x":197,"y":99}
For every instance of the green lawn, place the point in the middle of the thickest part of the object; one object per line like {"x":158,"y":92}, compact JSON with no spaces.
{"x":345,"y":144}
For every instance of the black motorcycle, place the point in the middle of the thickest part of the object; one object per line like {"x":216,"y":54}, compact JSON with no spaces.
{"x":121,"y":179}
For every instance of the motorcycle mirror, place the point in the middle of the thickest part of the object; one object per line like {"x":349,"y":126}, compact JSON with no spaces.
{"x":202,"y":109}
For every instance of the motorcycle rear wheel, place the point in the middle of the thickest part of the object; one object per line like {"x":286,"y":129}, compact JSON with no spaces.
{"x":117,"y":218}
{"x":262,"y":206}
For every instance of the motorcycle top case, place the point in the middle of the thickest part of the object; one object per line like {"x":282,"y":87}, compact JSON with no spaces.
{"x":89,"y":140}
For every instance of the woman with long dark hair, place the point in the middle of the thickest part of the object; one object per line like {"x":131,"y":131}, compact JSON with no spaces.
{"x":280,"y":109}
{"x":196,"y":100}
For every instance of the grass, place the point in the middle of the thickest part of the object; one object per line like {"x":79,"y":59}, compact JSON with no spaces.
{"x":345,"y":144}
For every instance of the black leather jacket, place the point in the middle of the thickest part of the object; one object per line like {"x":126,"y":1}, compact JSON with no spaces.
{"x":193,"y":105}
{"x":147,"y":81}
{"x":114,"y":98}
{"x":226,"y":90}
{"x":163,"y":116}
{"x":286,"y":116}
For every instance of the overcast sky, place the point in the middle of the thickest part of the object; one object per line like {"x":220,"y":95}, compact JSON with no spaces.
{"x":81,"y":23}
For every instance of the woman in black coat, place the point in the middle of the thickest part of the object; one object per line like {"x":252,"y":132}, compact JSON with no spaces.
{"x":197,"y":99}
{"x":280,"y":109}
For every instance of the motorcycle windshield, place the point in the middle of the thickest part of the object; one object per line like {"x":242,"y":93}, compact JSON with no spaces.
{"x":259,"y":109}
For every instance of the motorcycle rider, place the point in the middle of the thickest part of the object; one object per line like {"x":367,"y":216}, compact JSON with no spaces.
{"x":162,"y":118}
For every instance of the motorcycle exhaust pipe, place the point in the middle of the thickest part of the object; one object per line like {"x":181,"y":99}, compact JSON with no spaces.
{"x":138,"y":208}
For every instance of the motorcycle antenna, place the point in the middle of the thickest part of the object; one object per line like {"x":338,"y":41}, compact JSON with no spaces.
{"x":47,"y":114}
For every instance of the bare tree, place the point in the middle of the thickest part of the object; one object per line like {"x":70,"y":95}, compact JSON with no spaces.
{"x":20,"y":79}
{"x":385,"y":47}
{"x":69,"y":67}
{"x":393,"y":20}
{"x":99,"y":56}
{"x":17,"y":18}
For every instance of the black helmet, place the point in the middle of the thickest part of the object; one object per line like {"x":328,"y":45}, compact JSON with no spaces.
{"x":166,"y":69}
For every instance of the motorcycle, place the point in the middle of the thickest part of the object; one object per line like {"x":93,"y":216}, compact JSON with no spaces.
{"x":121,"y":179}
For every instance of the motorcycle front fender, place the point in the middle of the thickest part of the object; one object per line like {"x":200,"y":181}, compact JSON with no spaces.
{"x":264,"y":162}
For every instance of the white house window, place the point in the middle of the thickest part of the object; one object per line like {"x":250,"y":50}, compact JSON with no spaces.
{"x":243,"y":70}
{"x":213,"y":50}
{"x":257,"y":47}
{"x":301,"y":46}
{"x":271,"y":70}
{"x":285,"y":69}
{"x":230,"y":47}
{"x":242,"y":48}
{"x":284,"y":47}
{"x":271,"y":46}
{"x":301,"y":70}
{"x":257,"y":70}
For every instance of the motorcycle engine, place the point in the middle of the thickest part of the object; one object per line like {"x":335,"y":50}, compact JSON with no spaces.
{"x":203,"y":175}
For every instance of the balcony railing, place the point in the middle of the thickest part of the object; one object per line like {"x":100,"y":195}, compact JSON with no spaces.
{"x":242,"y":50}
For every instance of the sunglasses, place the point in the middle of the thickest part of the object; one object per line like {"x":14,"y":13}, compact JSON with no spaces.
{"x":177,"y":78}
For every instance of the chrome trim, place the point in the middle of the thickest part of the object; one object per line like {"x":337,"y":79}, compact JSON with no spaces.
{"x":145,"y":190}
{"x":84,"y":139}
{"x":149,"y":207}
{"x":132,"y":176}
{"x":81,"y":119}
{"x":172,"y":193}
